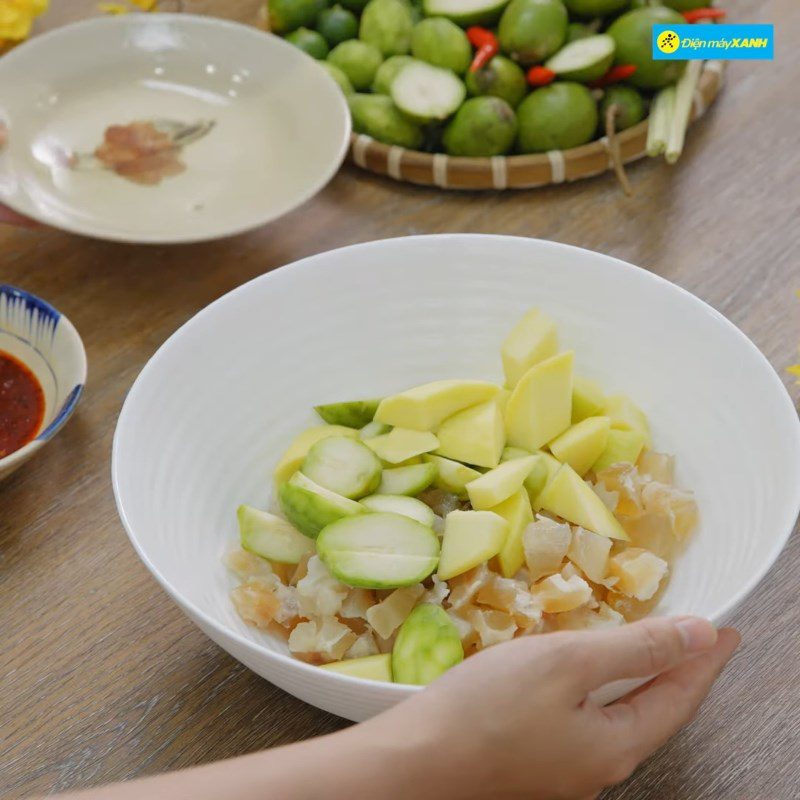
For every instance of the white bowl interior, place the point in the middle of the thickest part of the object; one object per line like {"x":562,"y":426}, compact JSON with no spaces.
{"x":281,"y":125}
{"x":212,"y":412}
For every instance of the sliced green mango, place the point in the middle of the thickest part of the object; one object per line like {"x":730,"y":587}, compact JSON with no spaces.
{"x":310,"y":507}
{"x":352,"y":413}
{"x":588,"y":399}
{"x":622,"y":446}
{"x":373,"y":429}
{"x":474,"y":436}
{"x":540,"y":407}
{"x":400,"y":444}
{"x":271,"y":537}
{"x":625,"y":415}
{"x":533,"y":339}
{"x":424,"y":408}
{"x":500,"y":483}
{"x":371,"y":668}
{"x":570,"y":497}
{"x":452,"y":476}
{"x":516,"y":511}
{"x":427,"y":645}
{"x":581,"y":445}
{"x":470,"y":539}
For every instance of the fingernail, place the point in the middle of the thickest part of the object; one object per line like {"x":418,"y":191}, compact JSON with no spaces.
{"x":697,"y":634}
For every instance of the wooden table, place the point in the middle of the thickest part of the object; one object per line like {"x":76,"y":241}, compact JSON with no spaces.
{"x":101,"y":677}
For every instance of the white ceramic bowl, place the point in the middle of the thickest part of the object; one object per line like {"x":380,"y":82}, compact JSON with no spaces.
{"x":280,"y":126}
{"x":211,"y":413}
{"x":46,"y":342}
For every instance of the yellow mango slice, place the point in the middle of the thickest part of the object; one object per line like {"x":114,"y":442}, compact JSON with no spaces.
{"x":293,"y":458}
{"x":541,"y":474}
{"x":540,"y":407}
{"x":570,"y":497}
{"x":475,"y":435}
{"x":499,"y":483}
{"x":516,"y":511}
{"x":622,"y":446}
{"x":588,"y":399}
{"x":424,"y":408}
{"x":470,"y":539}
{"x":373,"y":668}
{"x":400,"y":445}
{"x":533,"y":339}
{"x":625,"y":415}
{"x":452,"y":476}
{"x":581,"y":445}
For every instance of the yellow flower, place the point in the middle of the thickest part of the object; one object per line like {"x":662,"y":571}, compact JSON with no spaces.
{"x":16,"y":17}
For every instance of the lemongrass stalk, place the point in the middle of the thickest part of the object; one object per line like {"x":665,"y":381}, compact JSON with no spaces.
{"x":660,"y":116}
{"x":684,"y":96}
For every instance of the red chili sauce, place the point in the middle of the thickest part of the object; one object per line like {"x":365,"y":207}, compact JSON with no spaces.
{"x":21,"y":404}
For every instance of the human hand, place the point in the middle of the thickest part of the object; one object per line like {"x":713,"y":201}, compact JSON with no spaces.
{"x":517,"y":720}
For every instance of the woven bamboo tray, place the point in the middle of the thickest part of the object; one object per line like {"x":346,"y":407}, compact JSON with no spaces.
{"x":518,"y":172}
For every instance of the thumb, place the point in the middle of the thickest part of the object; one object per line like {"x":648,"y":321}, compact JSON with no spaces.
{"x":641,"y":649}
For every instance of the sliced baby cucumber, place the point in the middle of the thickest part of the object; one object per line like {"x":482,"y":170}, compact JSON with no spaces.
{"x":427,"y":646}
{"x":465,"y":12}
{"x":310,"y":507}
{"x":344,"y":466}
{"x":373,"y":668}
{"x":401,"y":504}
{"x":379,"y":551}
{"x":292,"y":459}
{"x":583,"y":60}
{"x":271,"y":537}
{"x":425,"y":92}
{"x":352,"y":414}
{"x":409,"y":480}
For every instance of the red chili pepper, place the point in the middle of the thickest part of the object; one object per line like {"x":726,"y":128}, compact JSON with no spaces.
{"x":614,"y":75}
{"x":487,"y":46}
{"x":540,"y":76}
{"x":700,"y":14}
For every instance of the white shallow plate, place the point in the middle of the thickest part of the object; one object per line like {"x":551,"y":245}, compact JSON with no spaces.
{"x":211,"y":413}
{"x":272,"y":126}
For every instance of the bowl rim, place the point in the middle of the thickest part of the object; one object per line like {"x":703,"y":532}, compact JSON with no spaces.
{"x":788,"y":520}
{"x":186,"y":21}
{"x":70,"y":403}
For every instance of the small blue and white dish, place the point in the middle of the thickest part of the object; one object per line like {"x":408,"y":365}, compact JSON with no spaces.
{"x":42,"y":339}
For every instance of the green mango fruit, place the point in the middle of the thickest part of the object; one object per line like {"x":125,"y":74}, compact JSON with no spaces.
{"x":633,"y":36}
{"x":629,"y":103}
{"x":337,"y":25}
{"x":596,"y":8}
{"x":378,"y":117}
{"x":532,"y":30}
{"x":310,"y":507}
{"x":482,"y":127}
{"x":338,"y":76}
{"x":358,"y":60}
{"x":387,"y":24}
{"x":556,"y":117}
{"x":309,"y":42}
{"x":442,"y":43}
{"x":288,"y":15}
{"x":502,"y":78}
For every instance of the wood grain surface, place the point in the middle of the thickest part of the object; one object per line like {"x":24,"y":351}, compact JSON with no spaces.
{"x":102,"y":678}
